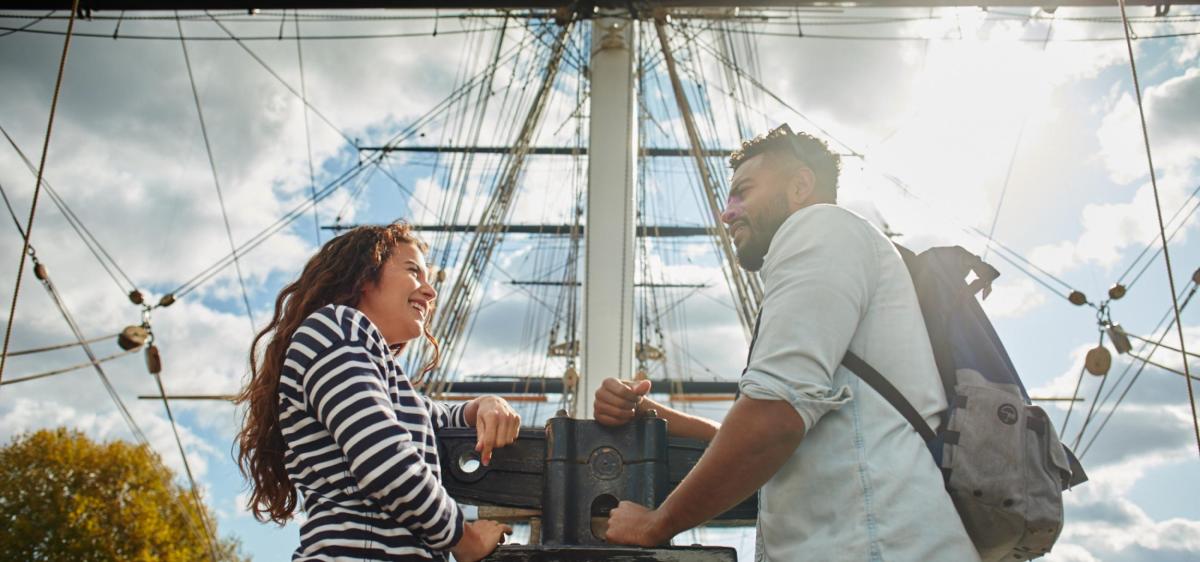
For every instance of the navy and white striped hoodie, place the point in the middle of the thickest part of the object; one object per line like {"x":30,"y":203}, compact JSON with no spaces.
{"x":361,"y":448}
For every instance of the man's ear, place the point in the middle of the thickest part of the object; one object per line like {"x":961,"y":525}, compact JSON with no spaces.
{"x":803,"y":187}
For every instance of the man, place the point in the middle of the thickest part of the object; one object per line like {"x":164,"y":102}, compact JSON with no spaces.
{"x":843,"y":475}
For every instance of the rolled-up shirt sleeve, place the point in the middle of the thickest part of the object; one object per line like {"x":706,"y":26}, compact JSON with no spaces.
{"x":818,"y":280}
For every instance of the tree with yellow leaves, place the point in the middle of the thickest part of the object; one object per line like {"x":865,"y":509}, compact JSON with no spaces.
{"x":66,"y":497}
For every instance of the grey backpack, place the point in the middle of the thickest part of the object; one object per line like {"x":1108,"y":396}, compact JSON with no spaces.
{"x":1000,"y":455}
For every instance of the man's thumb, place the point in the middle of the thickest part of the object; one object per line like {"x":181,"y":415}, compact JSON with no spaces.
{"x":641,"y":387}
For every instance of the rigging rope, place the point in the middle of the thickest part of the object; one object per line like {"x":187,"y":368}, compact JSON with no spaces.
{"x":85,"y":235}
{"x":1092,"y":407}
{"x":1162,"y":345}
{"x":35,"y":21}
{"x":201,"y":512}
{"x":95,"y":363}
{"x":853,"y":152}
{"x":332,"y":186}
{"x":972,"y":230}
{"x":21,"y":231}
{"x":261,"y":16}
{"x":362,"y":186}
{"x":481,"y":105}
{"x":514,"y":103}
{"x":72,"y":368}
{"x":87,"y":349}
{"x":204,"y":275}
{"x":1075,"y":395}
{"x":1154,"y":242}
{"x":1143,"y":348}
{"x":302,"y":96}
{"x":763,"y":88}
{"x":271,"y":71}
{"x":763,"y":19}
{"x":1136,"y":375}
{"x":1012,"y":158}
{"x":746,"y":288}
{"x":117,"y":28}
{"x":1162,"y":230}
{"x":289,"y":217}
{"x":1164,"y":367}
{"x":455,"y":313}
{"x":57,"y":347}
{"x":212,"y":164}
{"x":898,"y":38}
{"x":312,"y":177}
{"x":37,"y":189}
{"x":784,"y":18}
{"x":218,"y":38}
{"x":992,"y":241}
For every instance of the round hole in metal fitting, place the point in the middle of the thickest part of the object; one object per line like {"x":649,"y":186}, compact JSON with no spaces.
{"x":468,"y":462}
{"x":602,"y":506}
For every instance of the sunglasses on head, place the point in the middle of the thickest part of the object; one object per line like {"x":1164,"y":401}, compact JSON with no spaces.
{"x":785,"y":131}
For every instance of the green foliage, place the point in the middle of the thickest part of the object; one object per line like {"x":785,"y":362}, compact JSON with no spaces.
{"x":66,"y":497}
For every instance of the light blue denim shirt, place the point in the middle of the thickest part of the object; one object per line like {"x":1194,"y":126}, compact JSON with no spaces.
{"x":861,"y":485}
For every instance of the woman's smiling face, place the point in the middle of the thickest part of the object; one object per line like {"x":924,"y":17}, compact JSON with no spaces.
{"x":402,"y":300}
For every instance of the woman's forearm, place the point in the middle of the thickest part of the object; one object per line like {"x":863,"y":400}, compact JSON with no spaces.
{"x":471,"y":411}
{"x":680,"y":424}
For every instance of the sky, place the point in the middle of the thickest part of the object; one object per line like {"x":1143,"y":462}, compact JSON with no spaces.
{"x":1016,"y":122}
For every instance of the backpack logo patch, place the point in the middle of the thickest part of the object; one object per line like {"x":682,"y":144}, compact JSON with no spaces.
{"x":1007,"y":414}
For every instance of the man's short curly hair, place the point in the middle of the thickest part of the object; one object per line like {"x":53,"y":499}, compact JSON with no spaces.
{"x":813,"y":152}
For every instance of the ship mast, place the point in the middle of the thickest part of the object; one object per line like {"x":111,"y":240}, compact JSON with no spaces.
{"x":607,"y":343}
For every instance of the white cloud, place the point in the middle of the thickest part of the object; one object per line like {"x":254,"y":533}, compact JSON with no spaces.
{"x":239,"y":506}
{"x":1056,"y":258}
{"x":1067,"y":552}
{"x":1013,"y":299}
{"x":27,"y":415}
{"x":1107,"y":526}
{"x":1108,"y":230}
{"x":1172,"y":116}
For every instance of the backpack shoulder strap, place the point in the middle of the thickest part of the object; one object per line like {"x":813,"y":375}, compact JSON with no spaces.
{"x":889,"y":392}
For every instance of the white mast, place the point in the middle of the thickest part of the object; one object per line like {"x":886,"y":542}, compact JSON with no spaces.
{"x":609,"y":267}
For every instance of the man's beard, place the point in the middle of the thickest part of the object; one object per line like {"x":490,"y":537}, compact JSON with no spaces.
{"x":751,"y":254}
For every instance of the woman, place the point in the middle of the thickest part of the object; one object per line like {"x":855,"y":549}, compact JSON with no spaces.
{"x":331,"y":415}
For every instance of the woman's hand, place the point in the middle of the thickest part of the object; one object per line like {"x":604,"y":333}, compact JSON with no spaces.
{"x":480,"y":538}
{"x":618,"y":402}
{"x":496,"y":424}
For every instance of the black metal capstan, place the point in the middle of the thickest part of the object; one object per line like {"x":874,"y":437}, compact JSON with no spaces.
{"x":575,"y":472}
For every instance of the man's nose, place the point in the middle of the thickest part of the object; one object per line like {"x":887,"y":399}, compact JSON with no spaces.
{"x":731,"y":214}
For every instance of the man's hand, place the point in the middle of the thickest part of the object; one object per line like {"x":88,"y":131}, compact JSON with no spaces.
{"x":496,"y":424}
{"x":636,"y":525}
{"x":617,"y":401}
{"x":758,"y":438}
{"x":480,"y":538}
